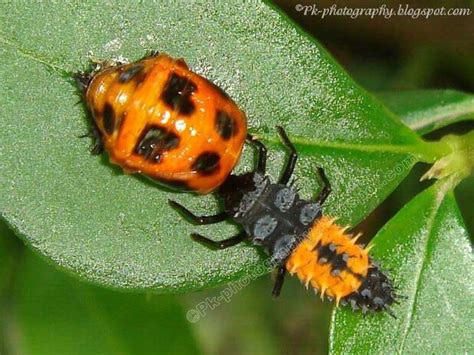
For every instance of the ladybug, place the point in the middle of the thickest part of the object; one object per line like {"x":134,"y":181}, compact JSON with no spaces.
{"x":297,"y":237}
{"x":158,"y":118}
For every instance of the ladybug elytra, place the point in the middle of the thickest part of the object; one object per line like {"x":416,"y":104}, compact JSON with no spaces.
{"x":158,"y":118}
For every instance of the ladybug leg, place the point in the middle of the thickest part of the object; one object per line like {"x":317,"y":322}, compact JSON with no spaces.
{"x":326,"y":190}
{"x":199,"y":220}
{"x":290,"y":165}
{"x":97,"y":146}
{"x":219,"y":245}
{"x":280,"y":278}
{"x":262,"y":154}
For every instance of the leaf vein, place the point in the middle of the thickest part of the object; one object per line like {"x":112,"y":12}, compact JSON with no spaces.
{"x":408,"y":322}
{"x":30,"y":55}
{"x":369,"y":148}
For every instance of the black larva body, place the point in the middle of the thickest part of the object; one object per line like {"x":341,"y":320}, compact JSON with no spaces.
{"x":272,"y":215}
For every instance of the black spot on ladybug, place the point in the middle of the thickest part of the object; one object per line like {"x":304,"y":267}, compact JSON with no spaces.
{"x":206,"y":163}
{"x":135,"y":72}
{"x":109,"y":118}
{"x":154,"y":141}
{"x":225,"y":125}
{"x":177,"y":94}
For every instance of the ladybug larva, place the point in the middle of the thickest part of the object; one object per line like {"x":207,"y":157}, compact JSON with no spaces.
{"x":296,"y":235}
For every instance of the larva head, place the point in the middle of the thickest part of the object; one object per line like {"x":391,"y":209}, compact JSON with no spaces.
{"x":331,"y":262}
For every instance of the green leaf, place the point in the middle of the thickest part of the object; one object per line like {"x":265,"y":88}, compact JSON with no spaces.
{"x":427,"y":110}
{"x":427,"y":247}
{"x":56,"y":314}
{"x":88,"y":217}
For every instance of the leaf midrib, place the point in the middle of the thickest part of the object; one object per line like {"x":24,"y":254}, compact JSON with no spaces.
{"x":426,"y":256}
{"x":370,"y":148}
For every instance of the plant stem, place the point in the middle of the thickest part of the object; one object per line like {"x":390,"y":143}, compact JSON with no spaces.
{"x":430,"y":152}
{"x":456,"y":165}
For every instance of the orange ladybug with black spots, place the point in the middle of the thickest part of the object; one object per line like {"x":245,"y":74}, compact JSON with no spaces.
{"x":158,"y":118}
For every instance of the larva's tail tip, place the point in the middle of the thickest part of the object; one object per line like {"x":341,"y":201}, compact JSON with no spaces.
{"x":376,"y":293}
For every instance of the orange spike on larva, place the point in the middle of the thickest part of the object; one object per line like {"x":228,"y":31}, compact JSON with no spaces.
{"x":323,"y":291}
{"x":293,"y":269}
{"x":356,"y":238}
{"x":369,"y":247}
{"x":345,"y":229}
